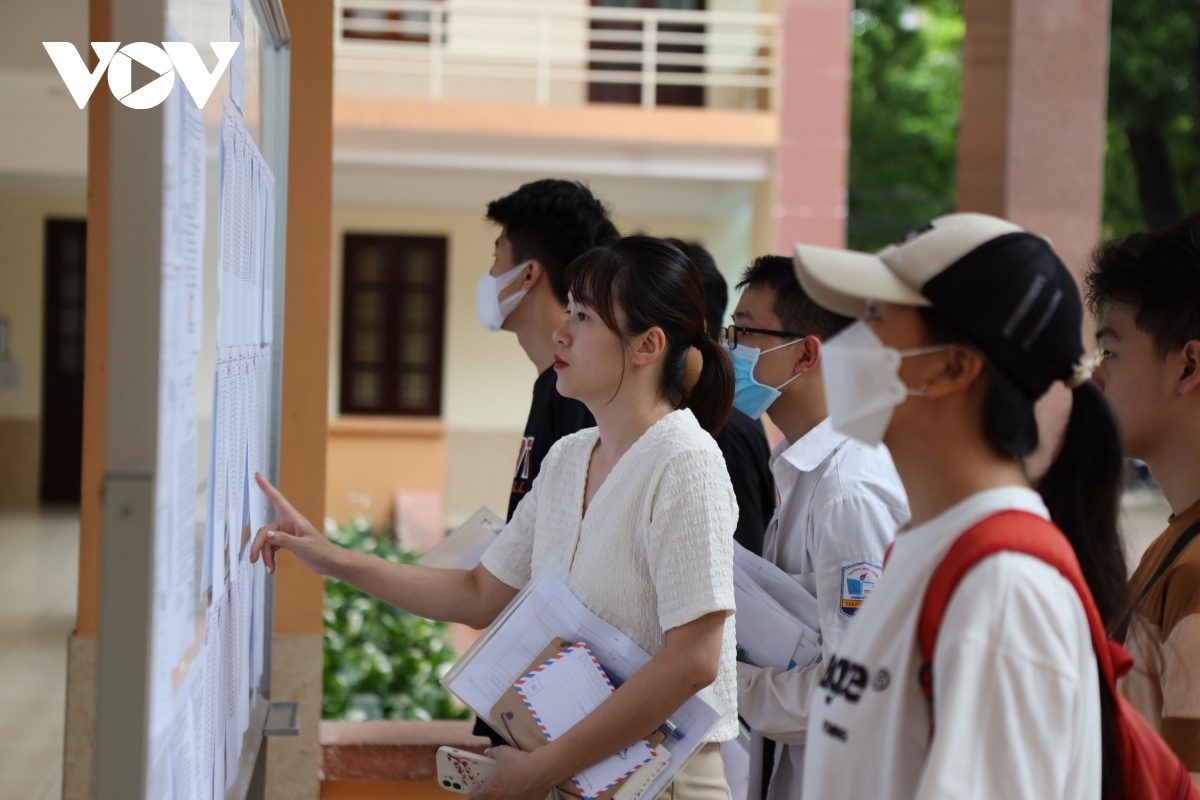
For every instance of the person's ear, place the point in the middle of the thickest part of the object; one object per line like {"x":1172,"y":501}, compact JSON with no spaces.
{"x":534,"y":271}
{"x":956,"y":369}
{"x":649,"y":346}
{"x":1189,"y":379}
{"x":808,"y":355}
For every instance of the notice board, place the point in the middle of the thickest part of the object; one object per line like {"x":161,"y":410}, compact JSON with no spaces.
{"x":196,"y":279}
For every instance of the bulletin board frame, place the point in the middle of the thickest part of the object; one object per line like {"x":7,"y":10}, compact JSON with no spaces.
{"x":122,"y":740}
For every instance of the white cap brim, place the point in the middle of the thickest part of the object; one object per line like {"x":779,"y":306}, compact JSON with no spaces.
{"x":844,"y":280}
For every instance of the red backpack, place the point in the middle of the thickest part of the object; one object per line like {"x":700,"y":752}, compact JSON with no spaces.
{"x":1151,"y":769}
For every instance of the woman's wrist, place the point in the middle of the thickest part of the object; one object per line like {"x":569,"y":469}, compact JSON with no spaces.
{"x":340,"y":564}
{"x":547,"y":763}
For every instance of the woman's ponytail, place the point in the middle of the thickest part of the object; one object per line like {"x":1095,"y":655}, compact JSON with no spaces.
{"x":711,"y":399}
{"x":653,"y":284}
{"x":1082,"y":490}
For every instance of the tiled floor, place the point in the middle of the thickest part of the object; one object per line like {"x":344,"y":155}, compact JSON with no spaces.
{"x":39,"y":566}
{"x":39,"y":554}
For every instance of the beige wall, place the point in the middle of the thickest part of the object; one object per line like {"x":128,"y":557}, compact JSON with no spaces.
{"x":487,"y":379}
{"x":22,"y":228}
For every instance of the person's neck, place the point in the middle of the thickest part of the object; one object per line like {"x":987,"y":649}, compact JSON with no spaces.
{"x":535,"y":330}
{"x":944,"y":464}
{"x":798,"y":411}
{"x":624,"y":420}
{"x":1176,"y":467}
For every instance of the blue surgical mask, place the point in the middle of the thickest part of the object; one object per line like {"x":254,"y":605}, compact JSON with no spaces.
{"x":749,"y":396}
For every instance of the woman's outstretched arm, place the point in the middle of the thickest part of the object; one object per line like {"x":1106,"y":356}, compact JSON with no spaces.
{"x":472,"y":597}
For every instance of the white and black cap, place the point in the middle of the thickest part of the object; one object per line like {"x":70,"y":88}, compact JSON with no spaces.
{"x":999,"y":286}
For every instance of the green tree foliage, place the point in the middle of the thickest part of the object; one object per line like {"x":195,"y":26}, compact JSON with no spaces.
{"x":904,"y":112}
{"x":1152,"y":169}
{"x":380,"y":662}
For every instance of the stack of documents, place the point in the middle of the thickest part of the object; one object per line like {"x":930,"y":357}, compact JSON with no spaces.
{"x":777,"y":619}
{"x":547,"y":609}
{"x":464,"y":548}
{"x":563,"y":690}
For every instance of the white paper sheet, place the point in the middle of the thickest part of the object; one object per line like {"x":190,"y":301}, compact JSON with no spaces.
{"x":237,"y":67}
{"x":464,"y":547}
{"x":545,"y":609}
{"x":770,"y":635}
{"x":793,"y":597}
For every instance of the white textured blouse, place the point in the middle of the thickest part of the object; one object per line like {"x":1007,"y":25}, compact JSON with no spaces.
{"x":655,"y":549}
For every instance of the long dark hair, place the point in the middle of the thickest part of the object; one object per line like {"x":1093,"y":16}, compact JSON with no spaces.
{"x":1082,"y":491}
{"x":656,"y":286}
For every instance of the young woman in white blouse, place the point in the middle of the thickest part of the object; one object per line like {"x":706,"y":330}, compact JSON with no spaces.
{"x":639,"y":510}
{"x":965,"y":325}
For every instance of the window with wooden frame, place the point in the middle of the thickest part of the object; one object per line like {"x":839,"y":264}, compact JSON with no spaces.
{"x":393,"y":315}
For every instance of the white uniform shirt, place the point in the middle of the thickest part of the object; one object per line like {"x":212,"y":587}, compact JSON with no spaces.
{"x":1016,"y":686}
{"x":840,"y":503}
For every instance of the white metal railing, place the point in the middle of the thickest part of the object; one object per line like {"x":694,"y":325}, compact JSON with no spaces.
{"x":551,"y":52}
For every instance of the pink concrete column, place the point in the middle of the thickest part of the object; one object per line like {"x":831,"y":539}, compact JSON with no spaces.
{"x":1031,"y":146}
{"x":814,"y":117}
{"x":1031,"y":141}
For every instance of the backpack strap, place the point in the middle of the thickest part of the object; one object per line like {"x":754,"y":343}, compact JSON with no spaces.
{"x":1018,"y":532}
{"x":1172,"y":554}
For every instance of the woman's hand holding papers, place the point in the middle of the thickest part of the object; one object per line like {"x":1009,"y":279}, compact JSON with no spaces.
{"x":518,"y":776}
{"x":291,"y":531}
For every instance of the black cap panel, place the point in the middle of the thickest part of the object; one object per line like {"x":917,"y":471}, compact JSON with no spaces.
{"x":1018,"y":303}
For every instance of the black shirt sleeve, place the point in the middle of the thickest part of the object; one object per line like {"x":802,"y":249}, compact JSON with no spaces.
{"x":551,"y":417}
{"x":743,"y":442}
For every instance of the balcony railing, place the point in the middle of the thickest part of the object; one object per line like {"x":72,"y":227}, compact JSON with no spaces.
{"x":501,"y":50}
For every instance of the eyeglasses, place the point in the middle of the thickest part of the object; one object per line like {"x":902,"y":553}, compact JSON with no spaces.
{"x":729,"y":335}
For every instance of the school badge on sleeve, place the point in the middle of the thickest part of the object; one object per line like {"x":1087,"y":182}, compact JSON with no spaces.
{"x":858,"y":581}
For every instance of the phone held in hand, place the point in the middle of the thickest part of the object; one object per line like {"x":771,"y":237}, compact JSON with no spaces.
{"x":461,"y":771}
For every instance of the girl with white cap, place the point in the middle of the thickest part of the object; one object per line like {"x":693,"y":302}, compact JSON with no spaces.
{"x":965,"y":324}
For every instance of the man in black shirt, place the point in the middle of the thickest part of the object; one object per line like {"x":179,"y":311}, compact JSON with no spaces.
{"x":743,"y":441}
{"x":544,"y":226}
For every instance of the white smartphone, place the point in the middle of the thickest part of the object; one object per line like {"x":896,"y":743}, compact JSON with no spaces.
{"x":462,"y":772}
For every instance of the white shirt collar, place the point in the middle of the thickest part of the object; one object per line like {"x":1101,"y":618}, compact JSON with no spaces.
{"x":812,"y":449}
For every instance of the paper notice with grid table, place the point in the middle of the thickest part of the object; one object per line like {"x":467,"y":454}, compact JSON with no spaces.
{"x":548,"y":608}
{"x":559,"y":693}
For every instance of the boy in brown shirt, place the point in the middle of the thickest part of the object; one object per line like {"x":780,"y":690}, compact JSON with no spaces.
{"x":1145,"y":293}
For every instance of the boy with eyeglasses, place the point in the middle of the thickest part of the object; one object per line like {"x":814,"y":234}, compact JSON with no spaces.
{"x":840,"y":501}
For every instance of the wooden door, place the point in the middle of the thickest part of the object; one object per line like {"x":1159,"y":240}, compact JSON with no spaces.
{"x":62,"y":361}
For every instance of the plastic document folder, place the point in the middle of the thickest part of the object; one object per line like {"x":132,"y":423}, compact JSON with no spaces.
{"x":776,"y":616}
{"x":464,"y":547}
{"x":547,"y":609}
{"x":559,"y":693}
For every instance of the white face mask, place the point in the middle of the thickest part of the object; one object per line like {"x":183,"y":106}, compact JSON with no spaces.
{"x":862,"y":381}
{"x":491,"y":309}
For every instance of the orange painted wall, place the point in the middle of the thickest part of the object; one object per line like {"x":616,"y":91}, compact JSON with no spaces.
{"x":299,"y":593}
{"x":375,"y":456}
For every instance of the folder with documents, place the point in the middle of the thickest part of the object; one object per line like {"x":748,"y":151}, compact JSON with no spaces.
{"x":777,"y":620}
{"x":547,"y":608}
{"x":559,"y":693}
